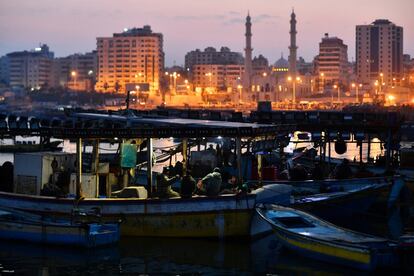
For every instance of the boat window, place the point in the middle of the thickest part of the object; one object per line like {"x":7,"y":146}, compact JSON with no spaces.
{"x":293,"y":222}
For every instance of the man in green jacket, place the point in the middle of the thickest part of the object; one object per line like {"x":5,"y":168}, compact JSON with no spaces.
{"x":211,"y":183}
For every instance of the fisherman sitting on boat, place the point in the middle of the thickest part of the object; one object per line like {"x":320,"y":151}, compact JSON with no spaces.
{"x":210,"y":185}
{"x":342,"y":170}
{"x":317,"y":172}
{"x":231,"y":187}
{"x":298,"y":173}
{"x":188,"y":185}
{"x":164,"y":189}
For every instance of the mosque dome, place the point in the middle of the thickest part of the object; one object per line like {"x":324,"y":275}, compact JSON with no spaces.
{"x":281,"y":64}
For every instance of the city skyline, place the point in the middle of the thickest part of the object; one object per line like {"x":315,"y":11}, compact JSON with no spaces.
{"x":187,"y":25}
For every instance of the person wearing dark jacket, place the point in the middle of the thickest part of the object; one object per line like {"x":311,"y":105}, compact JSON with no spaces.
{"x":343,"y":170}
{"x":188,"y":185}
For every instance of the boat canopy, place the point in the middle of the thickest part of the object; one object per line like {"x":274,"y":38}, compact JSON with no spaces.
{"x":98,"y":125}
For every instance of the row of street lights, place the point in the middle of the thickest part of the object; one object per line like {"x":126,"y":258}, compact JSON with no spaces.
{"x":173,"y":76}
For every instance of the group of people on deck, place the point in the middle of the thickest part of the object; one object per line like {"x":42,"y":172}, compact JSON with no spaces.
{"x":342,"y":170}
{"x":209,"y":185}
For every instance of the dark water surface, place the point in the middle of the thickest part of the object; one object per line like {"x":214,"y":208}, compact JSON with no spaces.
{"x":160,"y":256}
{"x":154,"y":256}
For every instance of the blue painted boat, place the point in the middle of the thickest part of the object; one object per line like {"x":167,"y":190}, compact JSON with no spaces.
{"x":317,"y":239}
{"x":17,"y":225}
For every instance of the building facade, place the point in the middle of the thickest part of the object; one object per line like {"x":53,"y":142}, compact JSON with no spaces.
{"x":76,"y":72}
{"x":211,"y":56}
{"x":332,"y":62}
{"x":31,"y":69}
{"x":217,"y":77}
{"x":379,"y":52}
{"x":4,"y":70}
{"x":132,"y":58}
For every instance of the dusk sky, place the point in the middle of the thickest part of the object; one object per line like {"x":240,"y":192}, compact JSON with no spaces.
{"x":72,"y":26}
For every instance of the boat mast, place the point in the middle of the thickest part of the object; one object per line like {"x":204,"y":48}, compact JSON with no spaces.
{"x":79,"y":168}
{"x":184,"y":153}
{"x":149,"y":165}
{"x":95,"y":166}
{"x":238,"y":153}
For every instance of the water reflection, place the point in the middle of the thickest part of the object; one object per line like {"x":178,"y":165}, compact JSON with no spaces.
{"x":160,"y":256}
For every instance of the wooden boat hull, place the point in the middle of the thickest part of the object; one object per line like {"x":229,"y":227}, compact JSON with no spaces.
{"x":201,"y":216}
{"x":91,"y":235}
{"x":336,"y":185}
{"x":359,"y":259}
{"x":343,"y":204}
{"x":222,"y":216}
{"x":365,"y":252}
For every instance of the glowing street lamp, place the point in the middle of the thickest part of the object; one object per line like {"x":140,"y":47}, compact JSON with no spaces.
{"x":339,"y":97}
{"x":382,"y":82}
{"x":376,"y":87}
{"x":240,"y":87}
{"x":290,"y":79}
{"x":175,"y":76}
{"x":186,"y":85}
{"x":356,"y":86}
{"x":74,"y":74}
{"x":209,"y":75}
{"x":323,"y":81}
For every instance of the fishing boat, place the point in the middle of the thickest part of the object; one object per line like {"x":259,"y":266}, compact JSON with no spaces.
{"x":18,"y":225}
{"x":343,"y":204}
{"x":317,"y":239}
{"x":199,"y":216}
{"x":148,"y":216}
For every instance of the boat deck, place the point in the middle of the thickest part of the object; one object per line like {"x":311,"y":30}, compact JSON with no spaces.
{"x":310,"y":227}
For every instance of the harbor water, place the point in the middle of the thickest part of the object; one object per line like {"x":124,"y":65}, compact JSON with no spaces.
{"x":178,"y":256}
{"x":150,"y":256}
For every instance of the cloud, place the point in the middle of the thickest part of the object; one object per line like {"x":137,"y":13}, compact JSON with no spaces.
{"x":264,"y":18}
{"x":234,"y":13}
{"x":200,"y":17}
{"x":234,"y":20}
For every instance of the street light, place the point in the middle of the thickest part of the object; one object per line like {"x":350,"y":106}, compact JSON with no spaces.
{"x":297,"y":79}
{"x":74,"y":74}
{"x":339,"y":96}
{"x":209,"y":74}
{"x":323,"y":81}
{"x":240,"y":87}
{"x":356,"y":86}
{"x":376,"y":87}
{"x":382,"y":82}
{"x":175,"y":76}
{"x":137,"y":87}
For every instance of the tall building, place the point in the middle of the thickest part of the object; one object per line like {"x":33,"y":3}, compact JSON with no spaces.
{"x":379,"y":52}
{"x":211,"y":56}
{"x":31,"y":69}
{"x":76,"y":72}
{"x":4,"y":70}
{"x":332,"y":62}
{"x":132,"y":58}
{"x":248,"y":67}
{"x":292,"y":48}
